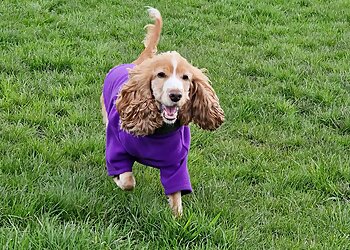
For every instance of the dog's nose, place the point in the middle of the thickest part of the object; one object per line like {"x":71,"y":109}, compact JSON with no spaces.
{"x":175,"y":97}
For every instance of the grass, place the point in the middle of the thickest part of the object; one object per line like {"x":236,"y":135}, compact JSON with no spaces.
{"x":276,"y":175}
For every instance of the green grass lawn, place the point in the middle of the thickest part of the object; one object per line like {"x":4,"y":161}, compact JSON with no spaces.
{"x":276,"y":175}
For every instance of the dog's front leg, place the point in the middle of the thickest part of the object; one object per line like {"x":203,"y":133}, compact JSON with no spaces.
{"x":126,"y":181}
{"x":176,"y":203}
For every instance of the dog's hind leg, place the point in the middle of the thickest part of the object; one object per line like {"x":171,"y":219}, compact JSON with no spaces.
{"x":104,"y":112}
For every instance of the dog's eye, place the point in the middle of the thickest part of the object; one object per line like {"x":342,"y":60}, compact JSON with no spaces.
{"x":161,"y":75}
{"x":185,"y":77}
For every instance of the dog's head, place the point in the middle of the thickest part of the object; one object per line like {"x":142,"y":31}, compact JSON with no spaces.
{"x":163,"y":89}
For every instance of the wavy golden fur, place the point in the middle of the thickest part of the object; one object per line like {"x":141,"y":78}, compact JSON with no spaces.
{"x":138,"y":110}
{"x":203,"y":108}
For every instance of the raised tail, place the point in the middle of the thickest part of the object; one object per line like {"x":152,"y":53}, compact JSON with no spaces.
{"x":152,"y":37}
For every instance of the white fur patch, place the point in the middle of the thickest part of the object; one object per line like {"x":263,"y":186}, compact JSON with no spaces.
{"x":174,"y":62}
{"x":153,"y":13}
{"x":173,"y":82}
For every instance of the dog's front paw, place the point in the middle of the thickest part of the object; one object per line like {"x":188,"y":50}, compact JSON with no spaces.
{"x":126,"y":181}
{"x":176,"y":204}
{"x":177,"y":211}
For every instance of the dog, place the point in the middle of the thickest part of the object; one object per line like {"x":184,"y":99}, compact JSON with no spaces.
{"x":147,"y":107}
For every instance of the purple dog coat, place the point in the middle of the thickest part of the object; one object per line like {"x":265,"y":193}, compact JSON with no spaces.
{"x":168,"y":152}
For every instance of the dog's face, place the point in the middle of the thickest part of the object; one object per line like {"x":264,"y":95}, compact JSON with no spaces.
{"x":170,"y":85}
{"x":165,"y":88}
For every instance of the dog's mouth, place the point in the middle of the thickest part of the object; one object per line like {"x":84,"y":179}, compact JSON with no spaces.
{"x":169,"y":113}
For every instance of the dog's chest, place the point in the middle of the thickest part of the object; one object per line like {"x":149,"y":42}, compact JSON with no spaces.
{"x":157,"y":151}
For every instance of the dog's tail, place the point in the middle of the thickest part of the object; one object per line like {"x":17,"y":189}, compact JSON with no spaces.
{"x":152,"y":37}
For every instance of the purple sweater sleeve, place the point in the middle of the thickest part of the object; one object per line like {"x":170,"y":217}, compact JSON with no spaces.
{"x":117,"y":159}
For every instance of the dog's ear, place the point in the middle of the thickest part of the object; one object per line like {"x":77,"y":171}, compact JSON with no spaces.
{"x":203,"y":108}
{"x":137,"y":108}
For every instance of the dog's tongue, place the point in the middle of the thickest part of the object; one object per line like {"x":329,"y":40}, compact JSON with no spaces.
{"x":170,"y":110}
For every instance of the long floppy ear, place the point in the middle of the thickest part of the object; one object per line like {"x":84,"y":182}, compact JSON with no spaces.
{"x":137,"y":108}
{"x":203,"y":108}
